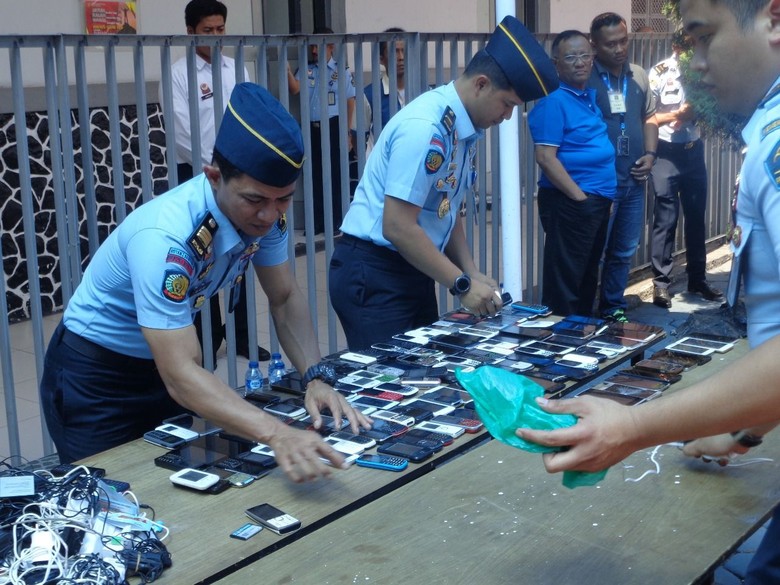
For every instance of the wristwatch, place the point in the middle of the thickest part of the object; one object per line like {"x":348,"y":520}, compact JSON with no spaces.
{"x":746,"y":439}
{"x":320,"y":371}
{"x":462,"y":285}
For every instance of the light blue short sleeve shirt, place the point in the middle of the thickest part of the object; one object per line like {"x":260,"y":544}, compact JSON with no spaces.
{"x":426,"y":156}
{"x":160,"y":265}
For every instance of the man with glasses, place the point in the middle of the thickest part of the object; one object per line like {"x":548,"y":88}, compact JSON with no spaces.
{"x":679,"y":178}
{"x":624,"y":97}
{"x":577,"y":183}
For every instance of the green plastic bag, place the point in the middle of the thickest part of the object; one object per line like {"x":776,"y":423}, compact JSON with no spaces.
{"x":507,"y":401}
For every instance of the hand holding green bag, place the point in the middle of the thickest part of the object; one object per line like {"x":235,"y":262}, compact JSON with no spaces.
{"x":507,"y":401}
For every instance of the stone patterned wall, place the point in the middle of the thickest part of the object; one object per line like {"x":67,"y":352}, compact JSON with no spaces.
{"x":14,"y":253}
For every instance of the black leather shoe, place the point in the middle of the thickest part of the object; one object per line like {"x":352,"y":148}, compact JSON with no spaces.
{"x":661,"y":297}
{"x":262,"y":353}
{"x":705,"y":290}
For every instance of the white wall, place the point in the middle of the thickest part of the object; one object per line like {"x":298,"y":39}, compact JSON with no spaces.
{"x":576,"y":14}
{"x":368,"y":16}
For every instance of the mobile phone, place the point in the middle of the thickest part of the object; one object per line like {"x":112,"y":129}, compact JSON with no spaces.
{"x":234,"y":478}
{"x":375,"y":392}
{"x":413,"y":453}
{"x":396,"y":417}
{"x":358,"y":358}
{"x":163,"y":439}
{"x":273,"y":518}
{"x":193,"y":423}
{"x":566,"y":340}
{"x":628,"y":395}
{"x":451,"y":430}
{"x":344,"y":447}
{"x":638,"y":381}
{"x":655,"y":367}
{"x":421,"y":382}
{"x":685,"y":360}
{"x":418,"y":414}
{"x":349,"y":458}
{"x":194,"y":479}
{"x":364,"y":442}
{"x":379,"y":403}
{"x":587,"y":320}
{"x":519,"y":366}
{"x":386,"y":462}
{"x":625,"y":342}
{"x":535,"y":308}
{"x":527,"y":332}
{"x":420,"y":434}
{"x":542,"y":375}
{"x":435,"y":408}
{"x":263,"y":449}
{"x":470,"y":425}
{"x":180,"y":432}
{"x":576,"y":360}
{"x":576,"y":329}
{"x":599,"y":354}
{"x":719,"y":346}
{"x":569,"y":372}
{"x":262,"y":398}
{"x":284,"y":408}
{"x":387,"y":370}
{"x":446,"y":395}
{"x":458,"y":340}
{"x":398,"y":388}
{"x":551,"y":348}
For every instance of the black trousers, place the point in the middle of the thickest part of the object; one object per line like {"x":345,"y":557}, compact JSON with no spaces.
{"x":574,"y":237}
{"x":679,"y":179}
{"x":94,"y":399}
{"x":376,"y":293}
{"x":217,"y":329}
{"x":333,"y":174}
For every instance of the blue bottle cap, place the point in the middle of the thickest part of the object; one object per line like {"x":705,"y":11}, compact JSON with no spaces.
{"x":253,"y":364}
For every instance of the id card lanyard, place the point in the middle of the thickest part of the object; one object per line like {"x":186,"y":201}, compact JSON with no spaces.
{"x":617,"y":105}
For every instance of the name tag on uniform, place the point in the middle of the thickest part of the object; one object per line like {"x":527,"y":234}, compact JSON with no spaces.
{"x":331,"y":98}
{"x":617,"y":105}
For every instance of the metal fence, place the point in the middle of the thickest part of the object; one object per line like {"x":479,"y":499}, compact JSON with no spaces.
{"x":90,"y":102}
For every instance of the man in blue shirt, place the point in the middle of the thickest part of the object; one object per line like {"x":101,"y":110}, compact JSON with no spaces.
{"x":403,"y":231}
{"x":577,"y":184}
{"x":623,"y":94}
{"x":126,"y":356}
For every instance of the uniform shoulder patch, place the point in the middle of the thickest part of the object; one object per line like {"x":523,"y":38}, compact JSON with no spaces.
{"x":433,"y":161}
{"x":181,"y":258}
{"x":448,"y":120}
{"x":772,"y":165}
{"x":175,"y":285}
{"x":202,"y":237}
{"x":769,"y":128}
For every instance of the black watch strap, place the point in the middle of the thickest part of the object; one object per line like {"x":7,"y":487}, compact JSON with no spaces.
{"x":319,"y":372}
{"x":747,"y":439}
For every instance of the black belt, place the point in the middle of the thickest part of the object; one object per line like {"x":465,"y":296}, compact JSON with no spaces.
{"x":361,"y":244}
{"x":663,"y":145}
{"x":99,"y":353}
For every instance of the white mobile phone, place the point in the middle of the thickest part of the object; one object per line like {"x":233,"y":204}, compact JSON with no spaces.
{"x":349,"y":459}
{"x":344,"y":447}
{"x":445,"y":429}
{"x":273,"y":518}
{"x":194,"y":479}
{"x":576,"y":360}
{"x":396,"y":417}
{"x":262,"y":449}
{"x":178,"y":431}
{"x":521,"y":366}
{"x":285,"y":409}
{"x":357,"y":358}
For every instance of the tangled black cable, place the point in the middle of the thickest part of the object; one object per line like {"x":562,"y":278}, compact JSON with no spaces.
{"x":145,"y":558}
{"x":92,"y":568}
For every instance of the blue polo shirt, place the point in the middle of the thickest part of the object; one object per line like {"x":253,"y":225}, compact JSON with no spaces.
{"x":160,"y":265}
{"x":570,"y":120}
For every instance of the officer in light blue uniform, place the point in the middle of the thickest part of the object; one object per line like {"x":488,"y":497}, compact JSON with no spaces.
{"x":126,"y":355}
{"x":319,"y":115}
{"x":403,"y":231}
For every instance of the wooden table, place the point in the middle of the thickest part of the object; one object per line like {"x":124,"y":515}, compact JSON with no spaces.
{"x":494,"y":516}
{"x":491,"y":514}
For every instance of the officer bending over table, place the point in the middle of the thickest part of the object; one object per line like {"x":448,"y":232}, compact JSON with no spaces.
{"x":126,"y":356}
{"x":403,"y":231}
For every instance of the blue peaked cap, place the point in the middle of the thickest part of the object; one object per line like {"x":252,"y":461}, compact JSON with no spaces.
{"x":259,"y":137}
{"x":530,"y":71}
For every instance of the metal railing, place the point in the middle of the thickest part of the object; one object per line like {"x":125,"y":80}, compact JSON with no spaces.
{"x":90,"y":101}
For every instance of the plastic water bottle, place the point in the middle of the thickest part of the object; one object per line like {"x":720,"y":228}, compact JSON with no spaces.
{"x":276,"y":369}
{"x":254,"y":378}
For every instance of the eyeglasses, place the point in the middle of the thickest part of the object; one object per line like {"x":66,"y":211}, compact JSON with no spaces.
{"x":574,"y":59}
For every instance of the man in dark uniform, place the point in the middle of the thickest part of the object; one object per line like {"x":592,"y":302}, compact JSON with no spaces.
{"x":679,"y":178}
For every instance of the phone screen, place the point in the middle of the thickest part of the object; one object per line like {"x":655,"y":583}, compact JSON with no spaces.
{"x":194,"y":423}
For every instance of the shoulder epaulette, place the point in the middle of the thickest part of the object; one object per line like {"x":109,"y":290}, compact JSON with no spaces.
{"x":448,"y":120}
{"x":200,"y":240}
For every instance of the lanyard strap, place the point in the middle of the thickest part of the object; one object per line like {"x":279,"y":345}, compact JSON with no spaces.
{"x":605,"y":79}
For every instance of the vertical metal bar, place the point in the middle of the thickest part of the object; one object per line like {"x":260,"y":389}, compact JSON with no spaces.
{"x":115,"y":132}
{"x":68,"y":162}
{"x":68,"y":280}
{"x":169,"y":120}
{"x":31,"y":253}
{"x":85,"y":134}
{"x":142,"y":119}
